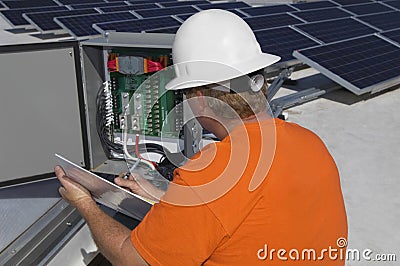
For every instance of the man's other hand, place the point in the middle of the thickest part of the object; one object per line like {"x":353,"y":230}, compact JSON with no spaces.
{"x":139,"y":186}
{"x":72,"y":192}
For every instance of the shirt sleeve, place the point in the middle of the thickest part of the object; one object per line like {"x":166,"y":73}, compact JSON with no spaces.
{"x":178,"y":235}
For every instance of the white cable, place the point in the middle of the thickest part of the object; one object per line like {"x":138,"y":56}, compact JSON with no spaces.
{"x":126,"y":152}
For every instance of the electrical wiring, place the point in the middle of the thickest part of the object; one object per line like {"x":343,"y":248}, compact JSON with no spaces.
{"x":127,"y":153}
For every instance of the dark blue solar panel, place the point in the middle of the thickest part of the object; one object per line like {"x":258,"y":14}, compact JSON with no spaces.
{"x":282,"y":41}
{"x":93,"y":5}
{"x":237,"y":12}
{"x":81,"y":26}
{"x":314,"y":5}
{"x":336,"y":30}
{"x":395,"y":4}
{"x":267,"y":10}
{"x":271,"y":21}
{"x":159,"y":12}
{"x":383,"y":21}
{"x":352,"y":2}
{"x":183,"y":3}
{"x":321,"y":14}
{"x":364,"y":9}
{"x":184,"y":17}
{"x":137,"y":25}
{"x":25,"y":4}
{"x":44,"y":21}
{"x":231,"y":5}
{"x":124,"y":8}
{"x":14,"y":16}
{"x":394,"y":35}
{"x":356,"y":64}
{"x":72,"y":2}
{"x":169,"y":30}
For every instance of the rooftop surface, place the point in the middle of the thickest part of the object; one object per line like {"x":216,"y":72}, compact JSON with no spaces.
{"x":363,"y":135}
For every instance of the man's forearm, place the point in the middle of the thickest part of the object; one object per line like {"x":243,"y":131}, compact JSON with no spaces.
{"x":111,"y":237}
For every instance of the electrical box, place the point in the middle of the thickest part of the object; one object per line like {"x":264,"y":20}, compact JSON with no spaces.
{"x":83,"y":100}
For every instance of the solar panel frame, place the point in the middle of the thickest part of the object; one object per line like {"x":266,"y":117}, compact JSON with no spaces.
{"x":81,"y":29}
{"x":267,"y":10}
{"x":382,"y":21}
{"x":167,"y":11}
{"x":314,"y":5}
{"x":335,"y":30}
{"x":393,"y":4}
{"x":183,"y":3}
{"x":364,"y":64}
{"x":26,"y":4}
{"x":283,"y":41}
{"x":44,"y":21}
{"x":166,"y":30}
{"x":351,"y":2}
{"x":183,"y":17}
{"x":321,"y":14}
{"x":15,"y":19}
{"x":139,"y":25}
{"x":271,"y":21}
{"x":110,"y":9}
{"x":72,"y":2}
{"x":392,"y":35}
{"x":368,"y":8}
{"x":226,"y":6}
{"x":94,"y":5}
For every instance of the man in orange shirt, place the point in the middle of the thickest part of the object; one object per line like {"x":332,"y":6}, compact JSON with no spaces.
{"x":267,"y":194}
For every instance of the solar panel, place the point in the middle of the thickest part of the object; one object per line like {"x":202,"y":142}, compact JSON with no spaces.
{"x":81,"y":26}
{"x":137,"y":25}
{"x":383,"y":21}
{"x":393,"y":35}
{"x":25,"y":4}
{"x":159,"y":12}
{"x":238,"y":12}
{"x":351,"y":2}
{"x":44,"y":21}
{"x":321,"y":14}
{"x":360,"y":65}
{"x":336,"y":30}
{"x":124,"y":8}
{"x":14,"y":16}
{"x":282,"y":41}
{"x":183,"y":3}
{"x":314,"y":5}
{"x":395,"y":4}
{"x":71,"y":2}
{"x":184,"y":17}
{"x":267,"y":10}
{"x":231,"y":5}
{"x":93,"y":5}
{"x":370,"y":8}
{"x":169,"y":30}
{"x":271,"y":21}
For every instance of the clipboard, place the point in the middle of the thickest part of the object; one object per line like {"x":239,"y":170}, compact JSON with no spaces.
{"x":105,"y":192}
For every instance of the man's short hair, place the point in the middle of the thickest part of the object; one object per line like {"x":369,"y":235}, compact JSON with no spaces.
{"x":245,"y":104}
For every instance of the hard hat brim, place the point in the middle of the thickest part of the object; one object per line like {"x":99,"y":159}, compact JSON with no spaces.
{"x":185,"y":81}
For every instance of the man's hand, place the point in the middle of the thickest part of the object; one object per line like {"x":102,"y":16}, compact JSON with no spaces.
{"x":74,"y":193}
{"x":139,"y":186}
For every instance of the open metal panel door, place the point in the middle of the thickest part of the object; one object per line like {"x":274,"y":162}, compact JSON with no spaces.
{"x":41,"y":109}
{"x":42,"y":112}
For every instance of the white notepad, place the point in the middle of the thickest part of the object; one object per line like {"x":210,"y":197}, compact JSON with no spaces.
{"x":105,"y":192}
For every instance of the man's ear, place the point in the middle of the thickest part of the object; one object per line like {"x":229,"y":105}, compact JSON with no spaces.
{"x":201,"y":101}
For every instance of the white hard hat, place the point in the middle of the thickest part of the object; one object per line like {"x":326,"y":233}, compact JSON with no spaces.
{"x":213,"y":46}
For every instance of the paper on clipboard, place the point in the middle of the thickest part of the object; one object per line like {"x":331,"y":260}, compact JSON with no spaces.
{"x":105,"y":192}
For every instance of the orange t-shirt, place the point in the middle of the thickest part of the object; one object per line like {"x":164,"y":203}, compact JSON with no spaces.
{"x":268,"y":194}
